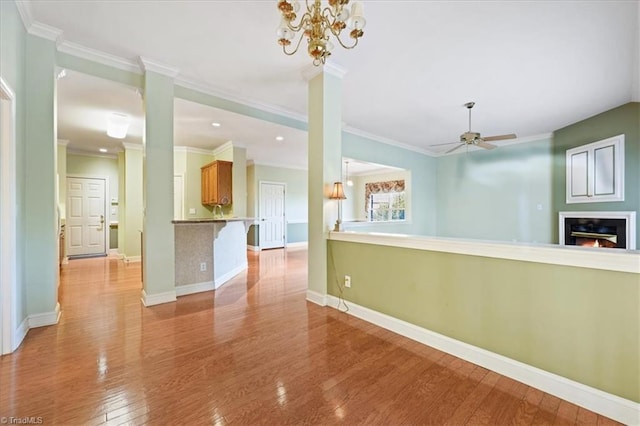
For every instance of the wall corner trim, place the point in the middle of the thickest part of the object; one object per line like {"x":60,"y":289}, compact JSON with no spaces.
{"x":184,"y":290}
{"x":158,"y":299}
{"x":149,"y":65}
{"x":44,"y":319}
{"x":317,"y":298}
{"x":606,"y":404}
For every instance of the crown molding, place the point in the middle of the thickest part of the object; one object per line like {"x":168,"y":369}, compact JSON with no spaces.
{"x":132,"y":146}
{"x":222,"y":148}
{"x":45,"y":31}
{"x":277,"y":165}
{"x":192,"y":150}
{"x":24,"y":9}
{"x":376,"y":138}
{"x":103,"y":58}
{"x":253,"y":103}
{"x":149,"y":65}
{"x":329,"y":67}
{"x":84,"y":153}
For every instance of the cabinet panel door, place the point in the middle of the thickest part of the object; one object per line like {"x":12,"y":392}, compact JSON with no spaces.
{"x":579,"y":174}
{"x":604,"y":170}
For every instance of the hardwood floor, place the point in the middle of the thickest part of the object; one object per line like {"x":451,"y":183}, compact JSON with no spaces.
{"x":252,"y":352}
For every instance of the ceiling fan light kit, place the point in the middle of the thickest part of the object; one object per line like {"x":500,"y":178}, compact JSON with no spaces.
{"x":318,"y":23}
{"x":474,"y":138}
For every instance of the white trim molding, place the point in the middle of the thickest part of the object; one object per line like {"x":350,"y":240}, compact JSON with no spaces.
{"x":8,"y":219}
{"x":300,"y":244}
{"x":98,"y":56}
{"x":191,"y":150}
{"x":24,"y":9}
{"x":222,"y":148}
{"x":329,"y":67}
{"x":232,"y":273}
{"x":133,"y":146}
{"x":584,"y":257}
{"x":185,"y":290}
{"x":44,"y":319}
{"x":609,"y":405}
{"x":20,"y":334}
{"x":157,"y":299}
{"x":39,"y":29}
{"x":317,"y":298}
{"x":131,"y":259}
{"x":149,"y":65}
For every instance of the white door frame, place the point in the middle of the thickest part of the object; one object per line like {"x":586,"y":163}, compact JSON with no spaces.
{"x":8,"y":219}
{"x":284,"y":209}
{"x":107,"y":210}
{"x":181,"y":176}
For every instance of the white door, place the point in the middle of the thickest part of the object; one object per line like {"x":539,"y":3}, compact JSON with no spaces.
{"x":177,"y":197}
{"x":85,"y":225}
{"x":272,"y":220}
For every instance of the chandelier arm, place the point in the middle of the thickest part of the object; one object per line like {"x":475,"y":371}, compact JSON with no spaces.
{"x":304,"y":18}
{"x":284,"y":48}
{"x":337,"y":35}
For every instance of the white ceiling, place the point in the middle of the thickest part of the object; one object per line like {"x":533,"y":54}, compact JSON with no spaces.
{"x":530,"y":66}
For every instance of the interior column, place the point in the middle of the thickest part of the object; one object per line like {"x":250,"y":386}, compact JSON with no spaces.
{"x":158,"y":260}
{"x":325,"y":168}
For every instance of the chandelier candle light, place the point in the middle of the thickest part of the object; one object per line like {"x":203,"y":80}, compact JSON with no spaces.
{"x":317,"y":24}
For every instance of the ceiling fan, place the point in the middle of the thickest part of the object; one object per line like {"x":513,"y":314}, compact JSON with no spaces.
{"x":474,"y":138}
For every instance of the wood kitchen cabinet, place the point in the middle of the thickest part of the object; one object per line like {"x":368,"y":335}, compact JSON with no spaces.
{"x":595,"y":172}
{"x":216,"y":183}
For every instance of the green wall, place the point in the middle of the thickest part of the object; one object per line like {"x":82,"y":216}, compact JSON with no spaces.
{"x":503,"y":194}
{"x":423,"y":169}
{"x":12,"y":69}
{"x":578,"y":323}
{"x":622,"y":120}
{"x":193,"y":184}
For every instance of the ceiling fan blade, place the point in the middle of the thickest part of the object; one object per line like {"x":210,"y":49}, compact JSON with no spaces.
{"x":485,"y":145}
{"x":500,"y":137}
{"x":442,"y":144}
{"x":454,"y":148}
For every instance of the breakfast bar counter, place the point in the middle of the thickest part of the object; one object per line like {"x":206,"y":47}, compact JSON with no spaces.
{"x":209,"y":252}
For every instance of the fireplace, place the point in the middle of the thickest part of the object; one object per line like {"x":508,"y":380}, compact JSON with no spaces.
{"x":598,"y":229}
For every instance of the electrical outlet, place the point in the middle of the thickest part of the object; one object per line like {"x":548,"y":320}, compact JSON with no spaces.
{"x":347,"y":281}
{"x":203,"y":266}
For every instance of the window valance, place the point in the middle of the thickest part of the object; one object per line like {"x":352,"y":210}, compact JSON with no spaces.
{"x":381,"y":188}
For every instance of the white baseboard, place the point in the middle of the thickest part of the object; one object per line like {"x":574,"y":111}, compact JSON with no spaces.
{"x":317,"y":298}
{"x":298,"y":244}
{"x":132,"y":259}
{"x":65,"y":260}
{"x":226,"y":277}
{"x":253,"y":248}
{"x":158,"y":299}
{"x":183,"y":290}
{"x":114,"y":253}
{"x":606,"y":404}
{"x":44,"y":319}
{"x":20,"y":334}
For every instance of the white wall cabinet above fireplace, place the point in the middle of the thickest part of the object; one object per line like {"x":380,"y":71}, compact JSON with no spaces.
{"x":595,"y":172}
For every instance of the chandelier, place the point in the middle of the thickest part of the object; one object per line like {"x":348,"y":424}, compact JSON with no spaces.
{"x":317,"y":24}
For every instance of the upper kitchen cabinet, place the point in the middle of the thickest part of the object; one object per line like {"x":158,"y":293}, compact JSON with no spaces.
{"x":216,"y":183}
{"x":595,"y":172}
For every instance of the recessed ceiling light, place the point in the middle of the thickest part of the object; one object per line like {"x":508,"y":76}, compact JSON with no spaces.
{"x":103,"y":149}
{"x":214,"y":124}
{"x":279,"y":138}
{"x":117,"y":125}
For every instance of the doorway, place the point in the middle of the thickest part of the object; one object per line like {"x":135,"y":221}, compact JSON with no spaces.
{"x":8,"y":219}
{"x":85,"y":230}
{"x":272,"y":228}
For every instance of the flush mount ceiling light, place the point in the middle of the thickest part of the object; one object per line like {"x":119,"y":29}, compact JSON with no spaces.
{"x":349,"y":181}
{"x":279,"y":138}
{"x":317,"y":24}
{"x":103,"y":149}
{"x":117,"y":125}
{"x":214,"y":124}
